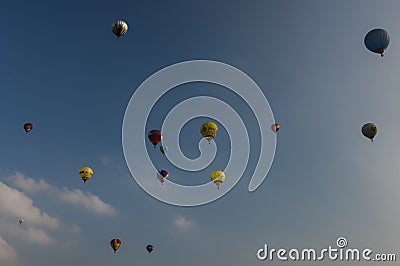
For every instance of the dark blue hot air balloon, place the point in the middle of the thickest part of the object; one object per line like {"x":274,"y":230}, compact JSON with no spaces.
{"x":377,"y":40}
{"x":162,"y":175}
{"x":149,"y":248}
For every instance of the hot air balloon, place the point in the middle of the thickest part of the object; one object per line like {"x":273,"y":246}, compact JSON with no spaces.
{"x":218,"y":177}
{"x":86,"y":173}
{"x":149,"y":248}
{"x":155,"y":137}
{"x":119,"y":28}
{"x":209,"y":130}
{"x":115,"y":244}
{"x":275,"y":127}
{"x":21,"y":221}
{"x":163,"y":149}
{"x":369,"y":130}
{"x":162,"y":175}
{"x":377,"y":40}
{"x":28,"y":127}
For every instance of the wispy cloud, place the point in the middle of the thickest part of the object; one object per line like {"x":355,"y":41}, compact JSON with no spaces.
{"x":183,"y":223}
{"x":74,"y":197}
{"x":28,"y":184}
{"x":105,"y":160}
{"x":87,"y":200}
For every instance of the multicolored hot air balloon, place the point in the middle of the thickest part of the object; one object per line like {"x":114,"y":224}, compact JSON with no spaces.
{"x":369,"y":130}
{"x":377,"y":40}
{"x":155,"y":137}
{"x":162,"y":176}
{"x":115,"y":244}
{"x":209,"y":130}
{"x":85,"y":173}
{"x":28,"y":127}
{"x":218,"y":177}
{"x":119,"y":28}
{"x":149,"y":248}
{"x":275,"y":127}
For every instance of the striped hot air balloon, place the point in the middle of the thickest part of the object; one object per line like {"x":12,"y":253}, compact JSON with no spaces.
{"x":119,"y":28}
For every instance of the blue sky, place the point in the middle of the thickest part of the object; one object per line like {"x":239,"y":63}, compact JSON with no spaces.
{"x":64,"y":70}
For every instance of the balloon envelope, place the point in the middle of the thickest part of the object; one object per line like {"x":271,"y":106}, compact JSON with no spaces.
{"x":162,"y":175}
{"x":218,"y":177}
{"x":28,"y":127}
{"x":209,"y":130}
{"x":155,"y":136}
{"x":85,"y":173}
{"x":377,"y":40}
{"x":369,"y":130}
{"x":275,"y":127}
{"x":163,"y":149}
{"x":115,"y":244}
{"x":149,"y":248}
{"x":119,"y":28}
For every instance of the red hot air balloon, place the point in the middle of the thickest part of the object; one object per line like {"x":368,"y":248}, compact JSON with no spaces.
{"x":28,"y":127}
{"x":155,"y":137}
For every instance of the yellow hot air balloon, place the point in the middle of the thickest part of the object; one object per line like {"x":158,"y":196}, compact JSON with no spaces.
{"x":86,"y":173}
{"x":21,"y":221}
{"x":209,"y":130}
{"x":218,"y":177}
{"x":115,"y":244}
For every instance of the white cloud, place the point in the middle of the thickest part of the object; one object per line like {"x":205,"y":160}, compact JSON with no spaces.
{"x":183,"y":223}
{"x":75,"y":197}
{"x":16,"y":204}
{"x":38,"y":226}
{"x":8,"y":254}
{"x":38,"y":236}
{"x":87,"y":200}
{"x":28,"y":184}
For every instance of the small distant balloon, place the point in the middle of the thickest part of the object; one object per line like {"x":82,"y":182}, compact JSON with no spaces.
{"x":377,"y":41}
{"x":28,"y":127}
{"x":209,"y":130}
{"x":218,"y":177}
{"x":163,"y":149}
{"x":162,"y":176}
{"x":369,"y":130}
{"x":155,"y":137}
{"x":86,"y":173}
{"x":21,"y":221}
{"x":275,"y":127}
{"x":149,"y":248}
{"x":119,"y":28}
{"x":115,"y":244}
